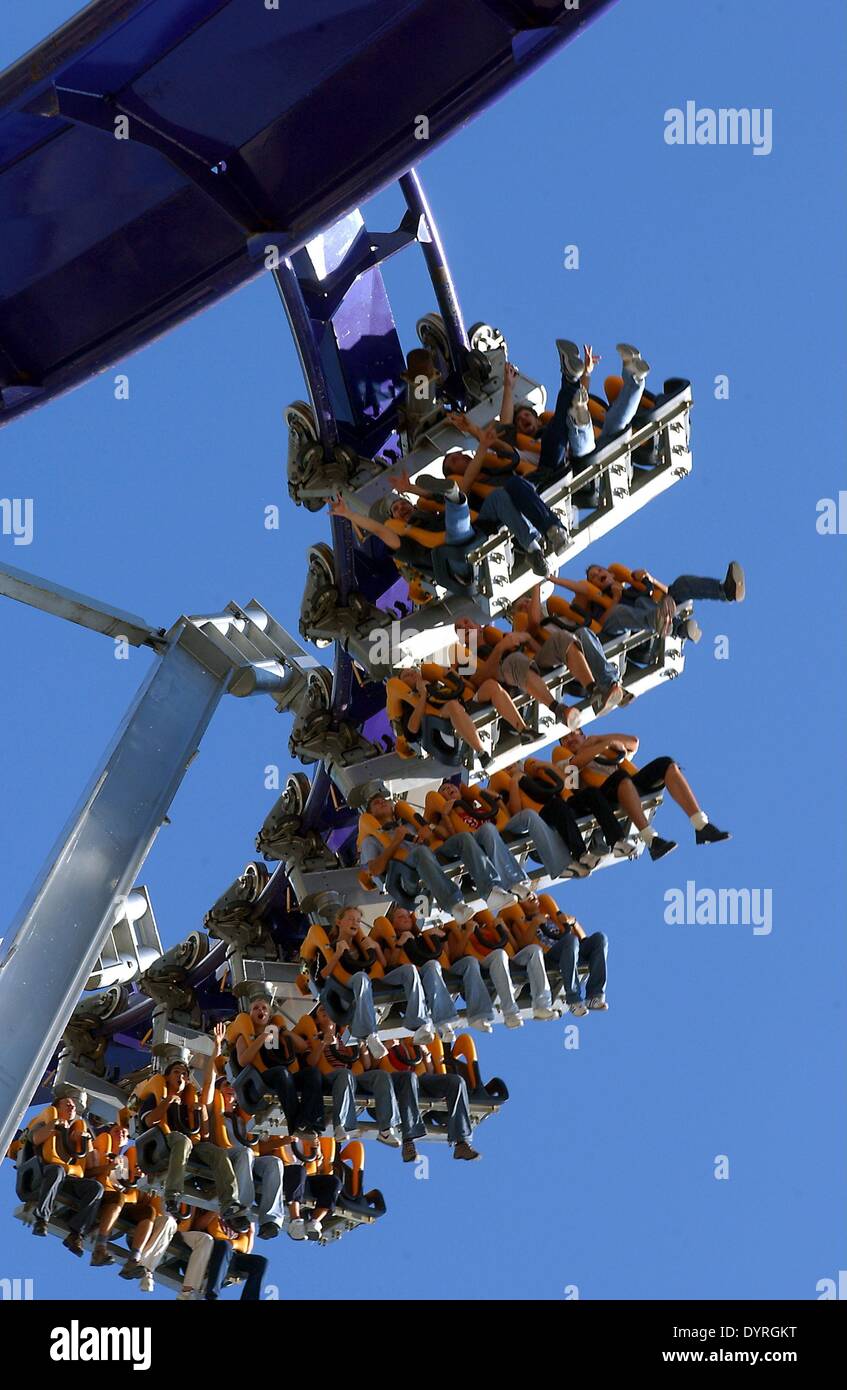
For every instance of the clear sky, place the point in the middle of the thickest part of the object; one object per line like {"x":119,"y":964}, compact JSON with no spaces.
{"x":599,"y":1173}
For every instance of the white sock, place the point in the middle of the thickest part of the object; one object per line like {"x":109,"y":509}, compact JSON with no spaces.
{"x":699,"y":819}
{"x":648,"y":834}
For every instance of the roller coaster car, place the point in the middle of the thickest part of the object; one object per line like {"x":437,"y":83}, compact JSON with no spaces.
{"x":316,"y":473}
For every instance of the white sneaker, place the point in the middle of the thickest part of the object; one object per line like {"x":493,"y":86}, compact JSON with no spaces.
{"x":523,"y":890}
{"x":625,"y":849}
{"x":544,"y":1012}
{"x":574,"y":718}
{"x":376,"y":1047}
{"x":314,"y":1230}
{"x":297,"y":1229}
{"x":578,"y":1009}
{"x":631,"y":358}
{"x":424,"y":1035}
{"x":447,"y":1033}
{"x":513,"y":1020}
{"x":147,"y":1285}
{"x":482,"y":1025}
{"x":389,"y":1137}
{"x":497,"y":898}
{"x":461,"y":913}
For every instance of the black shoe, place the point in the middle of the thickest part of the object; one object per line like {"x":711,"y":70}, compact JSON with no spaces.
{"x":237,"y":1218}
{"x":39,"y":1226}
{"x":734,"y":584}
{"x":527,"y":736}
{"x":73,"y":1242}
{"x":659,"y":847}
{"x":440,"y":487}
{"x":268,"y":1231}
{"x":172,"y":1205}
{"x":538,"y":564}
{"x":710,"y":835}
{"x":485,"y":760}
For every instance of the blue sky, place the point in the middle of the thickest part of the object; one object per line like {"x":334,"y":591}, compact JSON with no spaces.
{"x":599,"y":1172}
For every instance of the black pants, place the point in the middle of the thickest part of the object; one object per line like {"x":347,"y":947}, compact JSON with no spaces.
{"x":590,"y":801}
{"x":559,"y":815}
{"x":320,"y":1188}
{"x":225,"y":1260}
{"x":87,"y":1192}
{"x":648,"y":779}
{"x":300,"y":1095}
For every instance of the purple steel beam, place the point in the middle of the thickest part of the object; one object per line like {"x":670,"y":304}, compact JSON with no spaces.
{"x":439,"y":271}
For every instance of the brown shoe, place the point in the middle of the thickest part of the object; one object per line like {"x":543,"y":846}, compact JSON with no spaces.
{"x":73,"y":1242}
{"x":410,"y":1153}
{"x":101,"y":1256}
{"x":465,"y":1151}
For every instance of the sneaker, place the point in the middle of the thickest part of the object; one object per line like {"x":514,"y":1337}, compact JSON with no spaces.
{"x":73,"y":1242}
{"x":690,"y":630}
{"x":545,"y":1012}
{"x":606,"y":697}
{"x":481,"y":1025}
{"x":590,"y":859}
{"x":147,"y":1284}
{"x":633,"y":361}
{"x":447,"y":1033}
{"x":569,"y":715}
{"x":734,"y":584}
{"x":578,"y":869}
{"x":625,"y":849}
{"x":424,"y":1035}
{"x":497,"y":898}
{"x":297,"y":1229}
{"x":556,"y":538}
{"x":710,"y":835}
{"x":527,"y":736}
{"x":538,"y":564}
{"x":410,"y":1153}
{"x":513,"y":1020}
{"x":464,"y":1151}
{"x":133,"y":1269}
{"x":578,"y":1008}
{"x":461,"y":912}
{"x":664,"y":616}
{"x":39,"y":1226}
{"x":185,"y":1296}
{"x":237,"y":1218}
{"x":485,"y":760}
{"x":444,"y":488}
{"x":314,"y":1230}
{"x":101,"y":1256}
{"x":389,"y":1137}
{"x":172,"y":1204}
{"x":659,"y":847}
{"x":376,"y":1047}
{"x":570,"y":358}
{"x":523,"y":890}
{"x":268,"y":1230}
{"x":597,"y":1003}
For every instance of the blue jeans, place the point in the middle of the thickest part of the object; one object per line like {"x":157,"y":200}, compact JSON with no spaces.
{"x":570,"y":952}
{"x":409,"y":1087}
{"x":601,"y":669}
{"x":224,"y":1260}
{"x":403,"y":879}
{"x":268,"y":1169}
{"x":474,"y":991}
{"x":500,"y":508}
{"x":618,"y":417}
{"x":438,"y":997}
{"x":497,"y":851}
{"x":358,"y":1000}
{"x":471,"y":851}
{"x":561,"y":432}
{"x":550,"y":848}
{"x":631,"y":617}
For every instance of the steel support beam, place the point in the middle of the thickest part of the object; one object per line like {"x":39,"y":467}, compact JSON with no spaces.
{"x":60,"y":930}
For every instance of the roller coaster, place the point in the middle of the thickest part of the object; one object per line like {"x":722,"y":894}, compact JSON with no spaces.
{"x":220,"y":140}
